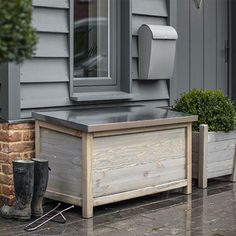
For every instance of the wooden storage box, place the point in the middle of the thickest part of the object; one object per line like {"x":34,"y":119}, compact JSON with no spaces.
{"x":115,"y":161}
{"x":213,"y":155}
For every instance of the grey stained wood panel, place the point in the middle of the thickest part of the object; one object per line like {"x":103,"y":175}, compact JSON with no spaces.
{"x":202,"y":34}
{"x":150,"y":7}
{"x":196,"y":46}
{"x":128,"y":162}
{"x":210,"y":42}
{"x":222,"y":36}
{"x":51,"y":3}
{"x":182,"y":63}
{"x":52,"y":45}
{"x":50,"y":20}
{"x":64,"y":154}
{"x":44,"y":70}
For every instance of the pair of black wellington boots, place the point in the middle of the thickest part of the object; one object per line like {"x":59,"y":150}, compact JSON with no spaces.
{"x":30,"y":182}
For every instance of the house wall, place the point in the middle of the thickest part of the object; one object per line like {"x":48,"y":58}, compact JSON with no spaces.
{"x":44,"y":80}
{"x":200,"y":59}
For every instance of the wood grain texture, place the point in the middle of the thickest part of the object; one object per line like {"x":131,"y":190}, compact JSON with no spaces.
{"x":37,"y":138}
{"x":188,"y":189}
{"x":139,"y":192}
{"x":60,"y":129}
{"x":220,"y":154}
{"x":132,"y":161}
{"x":69,"y":199}
{"x":233,"y":177}
{"x":64,"y":154}
{"x":87,"y":176}
{"x":203,"y":154}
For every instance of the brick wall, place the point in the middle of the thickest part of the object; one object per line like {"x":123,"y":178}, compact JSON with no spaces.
{"x":16,"y":143}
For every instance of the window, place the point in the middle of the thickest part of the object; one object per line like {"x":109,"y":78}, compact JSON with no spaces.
{"x":91,"y":39}
{"x":95,"y":45}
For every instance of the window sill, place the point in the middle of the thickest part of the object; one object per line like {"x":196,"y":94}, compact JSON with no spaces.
{"x":101,"y":96}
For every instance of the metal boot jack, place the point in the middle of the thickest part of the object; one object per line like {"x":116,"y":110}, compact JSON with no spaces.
{"x":41,"y":171}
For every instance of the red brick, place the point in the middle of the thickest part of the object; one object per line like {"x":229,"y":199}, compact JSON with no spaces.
{"x":32,"y":155}
{"x":4,"y":136}
{"x":7,"y":190}
{"x":7,"y":169}
{"x":5,"y":148}
{"x":5,"y":126}
{"x":28,"y":135}
{"x":14,"y":136}
{"x":8,"y":200}
{"x":3,"y":157}
{"x":21,"y":147}
{"x":8,"y":158}
{"x":21,"y":126}
{"x":6,"y":179}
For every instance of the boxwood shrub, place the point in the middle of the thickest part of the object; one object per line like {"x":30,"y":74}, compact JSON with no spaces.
{"x":212,"y":108}
{"x":17,"y":36}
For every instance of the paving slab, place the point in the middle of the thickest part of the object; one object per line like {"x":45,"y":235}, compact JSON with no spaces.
{"x":209,"y":212}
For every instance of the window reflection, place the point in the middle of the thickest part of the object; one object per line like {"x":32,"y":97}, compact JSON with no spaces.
{"x":91,"y":38}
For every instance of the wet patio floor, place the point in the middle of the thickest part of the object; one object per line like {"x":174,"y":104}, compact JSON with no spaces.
{"x":206,"y":212}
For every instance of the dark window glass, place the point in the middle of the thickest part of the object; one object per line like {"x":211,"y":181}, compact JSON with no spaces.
{"x":91,"y":39}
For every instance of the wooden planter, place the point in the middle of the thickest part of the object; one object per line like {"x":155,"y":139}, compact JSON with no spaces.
{"x":213,"y":155}
{"x":100,"y":164}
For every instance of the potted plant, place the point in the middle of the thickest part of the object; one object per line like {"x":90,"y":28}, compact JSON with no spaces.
{"x":17,"y":36}
{"x":214,"y":136}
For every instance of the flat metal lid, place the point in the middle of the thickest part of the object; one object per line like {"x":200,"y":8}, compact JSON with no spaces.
{"x":113,"y":118}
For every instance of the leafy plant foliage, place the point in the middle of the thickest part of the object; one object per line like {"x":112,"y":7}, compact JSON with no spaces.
{"x":212,"y":108}
{"x":17,"y":36}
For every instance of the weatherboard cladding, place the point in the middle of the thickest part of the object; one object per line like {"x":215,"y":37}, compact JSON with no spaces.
{"x":45,"y":78}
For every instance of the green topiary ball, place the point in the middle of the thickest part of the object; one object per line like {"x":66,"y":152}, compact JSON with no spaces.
{"x":17,"y":36}
{"x":212,"y":108}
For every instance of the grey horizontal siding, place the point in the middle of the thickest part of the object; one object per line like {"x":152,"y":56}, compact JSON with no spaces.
{"x":45,"y":78}
{"x":44,"y":70}
{"x":150,"y":7}
{"x":52,"y":45}
{"x":50,"y":20}
{"x":156,"y":90}
{"x":147,"y":12}
{"x":44,"y":95}
{"x":51,"y":3}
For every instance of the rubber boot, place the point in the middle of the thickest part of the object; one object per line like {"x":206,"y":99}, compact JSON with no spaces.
{"x":40,"y":186}
{"x":23,"y":175}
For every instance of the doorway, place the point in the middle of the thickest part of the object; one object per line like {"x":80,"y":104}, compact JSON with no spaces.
{"x":202,"y":59}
